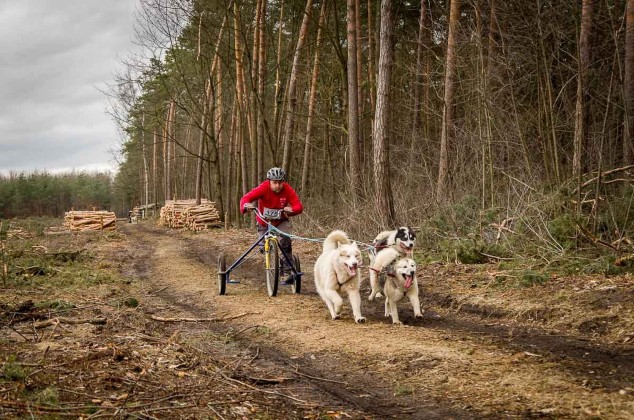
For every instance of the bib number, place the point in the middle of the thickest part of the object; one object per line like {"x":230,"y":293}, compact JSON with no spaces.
{"x":272,"y":214}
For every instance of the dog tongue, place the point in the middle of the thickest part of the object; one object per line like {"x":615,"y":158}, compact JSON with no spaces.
{"x":408,"y":282}
{"x":352,"y":271}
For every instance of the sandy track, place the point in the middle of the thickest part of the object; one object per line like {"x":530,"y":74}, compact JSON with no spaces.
{"x":449,"y":364}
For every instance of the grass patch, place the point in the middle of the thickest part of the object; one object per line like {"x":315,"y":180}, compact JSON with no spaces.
{"x":12,"y":370}
{"x":57,"y":305}
{"x":47,"y":396}
{"x":131,"y":302}
{"x":403,"y":390}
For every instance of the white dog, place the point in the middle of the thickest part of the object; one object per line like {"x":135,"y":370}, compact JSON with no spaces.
{"x":336,"y":271}
{"x":400,"y":281}
{"x":393,"y":244}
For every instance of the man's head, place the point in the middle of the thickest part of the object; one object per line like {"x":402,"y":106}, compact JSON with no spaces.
{"x":276,"y":177}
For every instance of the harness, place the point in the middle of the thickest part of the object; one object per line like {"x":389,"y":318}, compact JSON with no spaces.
{"x":387,"y":270}
{"x":341,"y":284}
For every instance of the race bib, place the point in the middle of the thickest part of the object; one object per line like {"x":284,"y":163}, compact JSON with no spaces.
{"x":272,"y":214}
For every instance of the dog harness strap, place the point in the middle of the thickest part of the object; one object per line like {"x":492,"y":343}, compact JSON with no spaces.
{"x":341,"y":284}
{"x":389,"y":270}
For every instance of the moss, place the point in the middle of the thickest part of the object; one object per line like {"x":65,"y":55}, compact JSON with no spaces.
{"x":59,"y":305}
{"x":529,"y":278}
{"x":48,"y":396}
{"x":12,"y":370}
{"x":131,"y":302}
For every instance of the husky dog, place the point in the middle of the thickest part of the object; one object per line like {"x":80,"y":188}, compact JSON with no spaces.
{"x":397,"y":243}
{"x":400,"y":281}
{"x":337,"y":271}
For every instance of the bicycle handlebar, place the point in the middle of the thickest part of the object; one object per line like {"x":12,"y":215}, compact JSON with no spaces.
{"x":263,"y":217}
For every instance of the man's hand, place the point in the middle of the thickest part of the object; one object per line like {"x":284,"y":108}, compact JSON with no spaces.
{"x":249,"y":206}
{"x":288,"y":209}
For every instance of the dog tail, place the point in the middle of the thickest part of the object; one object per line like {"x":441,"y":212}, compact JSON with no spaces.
{"x":335,"y":238}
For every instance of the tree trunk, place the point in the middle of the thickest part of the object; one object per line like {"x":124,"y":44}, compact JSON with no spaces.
{"x":311,"y":100}
{"x":261,"y":58}
{"x":254,"y":98}
{"x":371,"y":55}
{"x":418,"y":77}
{"x":154,"y":168}
{"x":580,"y":109}
{"x":278,"y":82}
{"x":354,"y":173}
{"x":204,"y":125}
{"x":384,"y":199}
{"x":549,"y":101}
{"x":146,"y":168}
{"x":447,"y":114}
{"x":242,"y":99}
{"x":628,"y":82}
{"x":360,"y":84}
{"x":168,"y":134}
{"x":292,"y":83}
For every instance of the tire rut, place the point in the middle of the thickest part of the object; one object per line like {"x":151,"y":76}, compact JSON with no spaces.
{"x":365,"y":391}
{"x":360,"y":401}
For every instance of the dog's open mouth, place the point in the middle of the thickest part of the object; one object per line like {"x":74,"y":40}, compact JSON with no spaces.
{"x":405,"y":248}
{"x":408,"y":281}
{"x":352,"y":270}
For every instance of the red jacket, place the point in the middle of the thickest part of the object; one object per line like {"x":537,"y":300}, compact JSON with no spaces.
{"x":267,"y":198}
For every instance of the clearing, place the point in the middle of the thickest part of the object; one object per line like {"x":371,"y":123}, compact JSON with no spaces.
{"x":160,"y":343}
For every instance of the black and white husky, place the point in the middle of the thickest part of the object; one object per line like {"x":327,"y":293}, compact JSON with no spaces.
{"x":394,"y":244}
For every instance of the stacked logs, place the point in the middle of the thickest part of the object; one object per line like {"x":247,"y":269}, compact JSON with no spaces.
{"x":90,"y":220}
{"x":186,"y":214}
{"x":202,"y":217}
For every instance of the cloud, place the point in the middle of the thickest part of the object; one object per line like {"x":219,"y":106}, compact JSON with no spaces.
{"x":58,"y":57}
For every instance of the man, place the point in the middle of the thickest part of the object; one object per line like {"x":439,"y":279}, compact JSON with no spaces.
{"x":275,"y":193}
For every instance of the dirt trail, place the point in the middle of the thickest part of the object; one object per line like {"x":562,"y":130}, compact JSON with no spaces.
{"x":450,"y":364}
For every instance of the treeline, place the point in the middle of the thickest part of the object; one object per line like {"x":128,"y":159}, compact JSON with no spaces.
{"x":389,"y":112}
{"x":43,"y":194}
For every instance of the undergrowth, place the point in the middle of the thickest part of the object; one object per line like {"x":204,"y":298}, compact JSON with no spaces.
{"x":31,"y":259}
{"x":534,"y":233}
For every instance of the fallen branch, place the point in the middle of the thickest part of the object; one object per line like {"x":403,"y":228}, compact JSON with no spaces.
{"x":261,"y":390}
{"x":610,"y":172}
{"x":162,"y":319}
{"x":65,"y":320}
{"x":320,"y":379}
{"x":585,"y":232}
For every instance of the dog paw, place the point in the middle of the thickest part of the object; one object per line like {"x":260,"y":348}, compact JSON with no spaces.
{"x":360,"y":320}
{"x":419,"y":315}
{"x":335,"y":317}
{"x":397,"y":323}
{"x":371,"y":297}
{"x":379,"y":294}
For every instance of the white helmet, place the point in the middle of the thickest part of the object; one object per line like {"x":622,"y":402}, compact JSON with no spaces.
{"x":276,"y":174}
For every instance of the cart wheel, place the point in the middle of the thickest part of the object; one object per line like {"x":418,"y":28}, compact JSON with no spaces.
{"x":272,"y":268}
{"x":296,"y":287}
{"x":222,"y":276}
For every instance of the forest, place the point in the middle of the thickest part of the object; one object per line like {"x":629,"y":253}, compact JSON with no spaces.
{"x":43,"y":194}
{"x":460,"y":116}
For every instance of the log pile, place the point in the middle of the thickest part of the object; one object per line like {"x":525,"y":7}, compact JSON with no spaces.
{"x":186,"y":214}
{"x":202,"y":217}
{"x":90,"y":220}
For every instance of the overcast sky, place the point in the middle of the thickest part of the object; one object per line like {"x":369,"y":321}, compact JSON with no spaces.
{"x":55,"y":57}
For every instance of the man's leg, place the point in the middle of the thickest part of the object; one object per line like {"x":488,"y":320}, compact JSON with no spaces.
{"x":285,"y":245}
{"x":261,"y":232}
